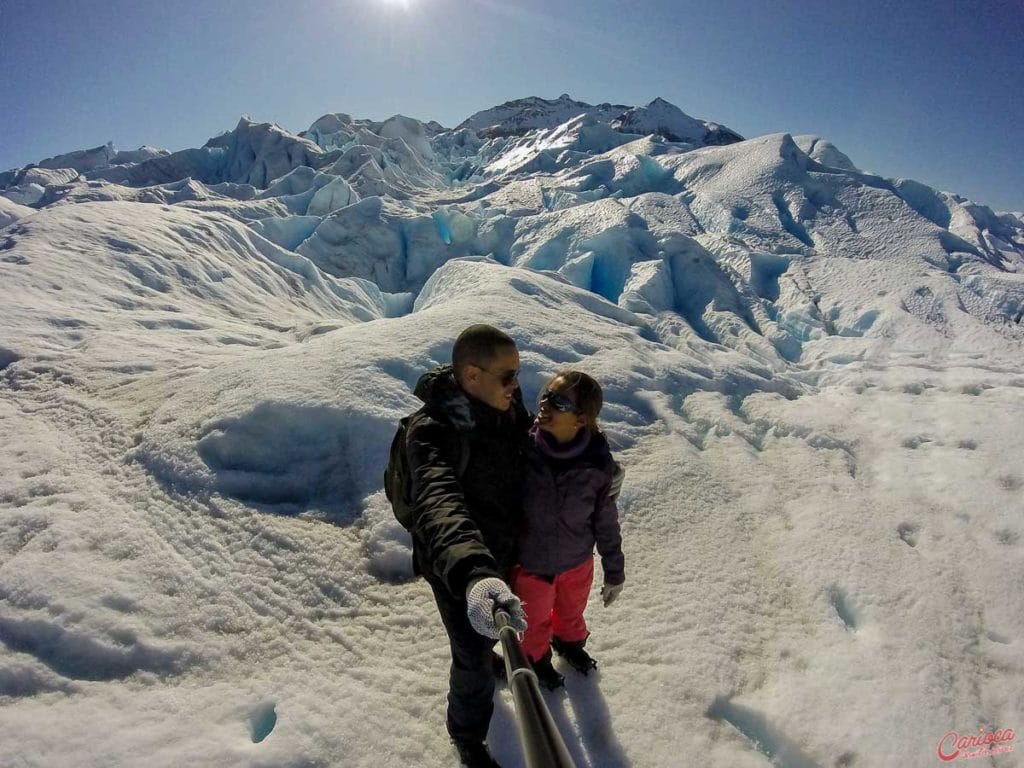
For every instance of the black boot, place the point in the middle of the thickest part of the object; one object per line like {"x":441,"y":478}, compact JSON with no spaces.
{"x":547,"y":675}
{"x":498,"y":665}
{"x":573,"y":652}
{"x":474,"y":754}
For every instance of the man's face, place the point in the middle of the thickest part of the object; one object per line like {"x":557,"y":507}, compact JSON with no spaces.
{"x":495,"y":381}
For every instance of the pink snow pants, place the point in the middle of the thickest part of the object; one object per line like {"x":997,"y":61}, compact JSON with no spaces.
{"x":553,"y":609}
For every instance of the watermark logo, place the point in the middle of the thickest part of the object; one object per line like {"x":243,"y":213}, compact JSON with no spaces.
{"x":955,"y":746}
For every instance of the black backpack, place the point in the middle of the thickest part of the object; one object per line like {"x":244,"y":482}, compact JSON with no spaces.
{"x":397,"y":480}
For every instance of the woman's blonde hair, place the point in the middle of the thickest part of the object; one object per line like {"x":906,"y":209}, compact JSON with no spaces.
{"x":586,"y":390}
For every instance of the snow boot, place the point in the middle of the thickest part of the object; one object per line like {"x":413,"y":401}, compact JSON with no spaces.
{"x":474,"y":754}
{"x":573,"y":652}
{"x":547,"y":675}
{"x":498,"y":665}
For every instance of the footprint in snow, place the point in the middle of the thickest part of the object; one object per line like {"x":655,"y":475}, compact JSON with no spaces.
{"x":262,"y":721}
{"x":908,"y":532}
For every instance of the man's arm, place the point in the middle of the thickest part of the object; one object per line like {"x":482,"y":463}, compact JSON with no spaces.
{"x":454,"y":547}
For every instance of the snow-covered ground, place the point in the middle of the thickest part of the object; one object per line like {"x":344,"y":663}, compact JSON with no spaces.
{"x":812,"y":376}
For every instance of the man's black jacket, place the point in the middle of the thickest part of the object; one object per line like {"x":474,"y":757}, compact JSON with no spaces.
{"x":465,"y":527}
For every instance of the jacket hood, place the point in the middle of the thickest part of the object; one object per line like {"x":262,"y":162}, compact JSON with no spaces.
{"x":439,"y":390}
{"x":598,"y":452}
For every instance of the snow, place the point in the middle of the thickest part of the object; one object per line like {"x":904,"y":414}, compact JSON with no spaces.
{"x":11,"y":211}
{"x":521,"y":115}
{"x":648,"y":288}
{"x":289,"y":232}
{"x":25,"y":194}
{"x":811,"y":375}
{"x":383,"y":241}
{"x":824,"y":152}
{"x":408,"y":130}
{"x":140,"y":155}
{"x":45,"y":177}
{"x":334,"y":130}
{"x":664,"y":119}
{"x":297,"y":182}
{"x":253,"y":153}
{"x":82,"y":160}
{"x":336,"y":194}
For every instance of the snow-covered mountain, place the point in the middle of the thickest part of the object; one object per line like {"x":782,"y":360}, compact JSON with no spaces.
{"x":514,"y":118}
{"x":811,"y":374}
{"x":667,"y":120}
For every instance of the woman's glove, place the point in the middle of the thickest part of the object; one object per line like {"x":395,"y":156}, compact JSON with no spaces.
{"x":483,"y":596}
{"x":609,"y":592}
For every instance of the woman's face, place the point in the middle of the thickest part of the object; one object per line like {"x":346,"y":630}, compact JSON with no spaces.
{"x":558,"y":414}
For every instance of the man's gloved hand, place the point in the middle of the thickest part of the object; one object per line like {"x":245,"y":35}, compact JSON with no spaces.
{"x":609,"y":592}
{"x":483,"y":596}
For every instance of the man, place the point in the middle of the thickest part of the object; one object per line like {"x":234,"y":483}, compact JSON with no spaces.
{"x":466,"y":449}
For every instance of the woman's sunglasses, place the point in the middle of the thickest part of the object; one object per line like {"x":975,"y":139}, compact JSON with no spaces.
{"x":558,"y":401}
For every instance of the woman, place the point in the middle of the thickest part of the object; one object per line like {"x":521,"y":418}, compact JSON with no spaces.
{"x":569,"y":507}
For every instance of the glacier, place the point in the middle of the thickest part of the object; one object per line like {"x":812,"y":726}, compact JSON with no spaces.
{"x":812,"y":375}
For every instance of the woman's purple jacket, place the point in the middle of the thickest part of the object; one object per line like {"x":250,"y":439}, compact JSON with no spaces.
{"x":567,"y":510}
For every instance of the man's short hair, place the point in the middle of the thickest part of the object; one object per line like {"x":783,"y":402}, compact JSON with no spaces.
{"x":478,"y":345}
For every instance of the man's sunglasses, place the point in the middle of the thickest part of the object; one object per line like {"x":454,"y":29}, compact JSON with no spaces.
{"x":506,"y":378}
{"x":558,"y":401}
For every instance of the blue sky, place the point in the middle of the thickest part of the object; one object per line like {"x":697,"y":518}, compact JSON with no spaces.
{"x":926,"y":89}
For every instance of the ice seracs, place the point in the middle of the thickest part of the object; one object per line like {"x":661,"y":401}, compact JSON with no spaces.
{"x":603,"y":195}
{"x":824,"y":152}
{"x":11,"y":211}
